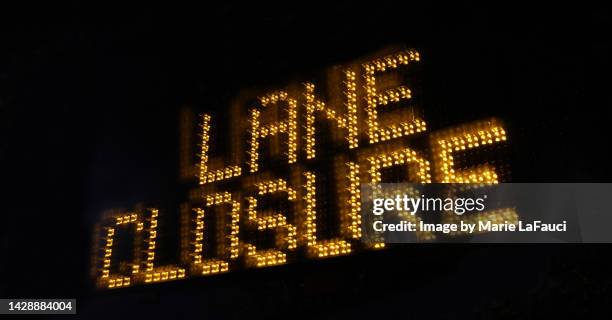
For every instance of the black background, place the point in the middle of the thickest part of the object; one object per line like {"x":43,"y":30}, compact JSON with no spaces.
{"x":89,"y":99}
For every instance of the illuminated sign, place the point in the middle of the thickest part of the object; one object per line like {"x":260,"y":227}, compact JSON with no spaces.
{"x":288,"y":190}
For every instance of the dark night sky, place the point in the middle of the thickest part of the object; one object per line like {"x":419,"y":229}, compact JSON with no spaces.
{"x":88,"y":121}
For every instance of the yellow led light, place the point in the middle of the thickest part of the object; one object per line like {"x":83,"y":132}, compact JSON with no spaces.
{"x":153,"y":273}
{"x":405,"y":156}
{"x":228,"y":239}
{"x":354,"y":201}
{"x":206,"y":176}
{"x":348,"y":121}
{"x":317,"y":248}
{"x":464,"y":138}
{"x":339,"y":106}
{"x":117,"y":280}
{"x":286,"y":233}
{"x":402,"y":157}
{"x":288,"y":126}
{"x":376,"y":132}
